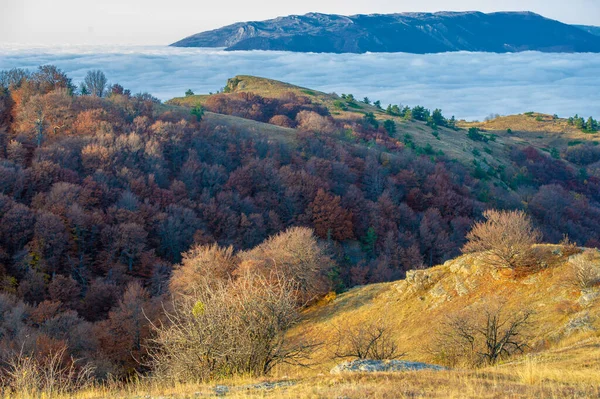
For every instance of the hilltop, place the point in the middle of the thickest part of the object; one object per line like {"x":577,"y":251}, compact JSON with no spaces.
{"x":420,"y":33}
{"x":544,"y":132}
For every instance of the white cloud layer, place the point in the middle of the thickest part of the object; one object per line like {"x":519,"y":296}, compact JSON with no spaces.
{"x":468,"y":85}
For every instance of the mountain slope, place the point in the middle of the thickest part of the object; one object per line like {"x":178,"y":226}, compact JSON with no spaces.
{"x":417,"y":308}
{"x":594,"y":30}
{"x":543,"y":133}
{"x":408,"y":32}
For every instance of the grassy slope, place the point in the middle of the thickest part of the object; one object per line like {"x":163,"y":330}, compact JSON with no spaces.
{"x":530,"y":130}
{"x":526,"y":130}
{"x":564,"y":361}
{"x":417,"y":306}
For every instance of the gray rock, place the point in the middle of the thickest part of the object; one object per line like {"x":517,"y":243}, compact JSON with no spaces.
{"x":588,"y":297}
{"x":582,"y":322}
{"x":382,"y":366}
{"x":221,"y":390}
{"x":267,"y":386}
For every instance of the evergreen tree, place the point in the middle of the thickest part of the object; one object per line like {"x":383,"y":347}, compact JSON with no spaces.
{"x":591,"y":125}
{"x":390,"y":126}
{"x":438,"y":118}
{"x":198,"y":112}
{"x":369,"y":241}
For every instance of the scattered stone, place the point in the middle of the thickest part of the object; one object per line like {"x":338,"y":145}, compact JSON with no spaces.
{"x":221,"y":390}
{"x":580,"y":323}
{"x":588,"y":297}
{"x":267,"y":386}
{"x":531,"y":280}
{"x":224,"y":390}
{"x":557,"y":251}
{"x":382,"y":366}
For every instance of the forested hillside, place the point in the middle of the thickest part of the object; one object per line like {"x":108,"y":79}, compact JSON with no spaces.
{"x":102,"y":191}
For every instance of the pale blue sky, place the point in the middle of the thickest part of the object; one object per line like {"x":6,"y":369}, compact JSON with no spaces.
{"x":151,"y":22}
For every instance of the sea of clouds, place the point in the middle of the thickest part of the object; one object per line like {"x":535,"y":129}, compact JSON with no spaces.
{"x":467,"y":85}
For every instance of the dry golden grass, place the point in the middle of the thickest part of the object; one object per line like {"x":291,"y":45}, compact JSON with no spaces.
{"x":417,"y":307}
{"x":270,"y":88}
{"x":247,"y":126}
{"x":535,"y":122}
{"x":538,"y":130}
{"x":563,"y":361}
{"x":530,"y":378}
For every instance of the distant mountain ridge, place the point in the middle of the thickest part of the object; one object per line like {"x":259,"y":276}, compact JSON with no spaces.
{"x":420,"y":33}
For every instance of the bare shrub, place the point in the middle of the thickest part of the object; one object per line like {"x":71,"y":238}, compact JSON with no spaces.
{"x":366,"y":341}
{"x":44,"y":376}
{"x":313,"y":122}
{"x":568,"y":247}
{"x":298,"y":257}
{"x":282,"y":120}
{"x":202,"y":266}
{"x":228,"y":329}
{"x":482,"y":336}
{"x":505,"y":238}
{"x":586,"y":269}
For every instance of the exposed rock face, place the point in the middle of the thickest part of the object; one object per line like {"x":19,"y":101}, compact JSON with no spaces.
{"x":382,"y":366}
{"x":432,"y":285}
{"x":420,"y":33}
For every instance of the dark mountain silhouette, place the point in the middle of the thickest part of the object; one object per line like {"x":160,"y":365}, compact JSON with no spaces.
{"x":499,"y":32}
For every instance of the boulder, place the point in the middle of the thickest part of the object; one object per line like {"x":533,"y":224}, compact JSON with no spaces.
{"x":382,"y":366}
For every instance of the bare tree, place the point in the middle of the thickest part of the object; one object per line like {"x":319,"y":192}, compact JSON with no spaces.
{"x":45,"y":114}
{"x":366,"y":341}
{"x":483,"y":336}
{"x":505,"y":238}
{"x":95,"y":83}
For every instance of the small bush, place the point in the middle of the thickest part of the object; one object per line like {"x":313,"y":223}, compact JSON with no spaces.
{"x":586,"y":269}
{"x":475,"y":135}
{"x":366,"y":341}
{"x":49,"y":375}
{"x":236,"y":328}
{"x":505,"y":239}
{"x":282,"y":120}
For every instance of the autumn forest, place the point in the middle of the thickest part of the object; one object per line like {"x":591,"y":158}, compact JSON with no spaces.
{"x":105,"y":196}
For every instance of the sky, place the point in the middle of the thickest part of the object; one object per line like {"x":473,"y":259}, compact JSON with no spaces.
{"x":160,"y":22}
